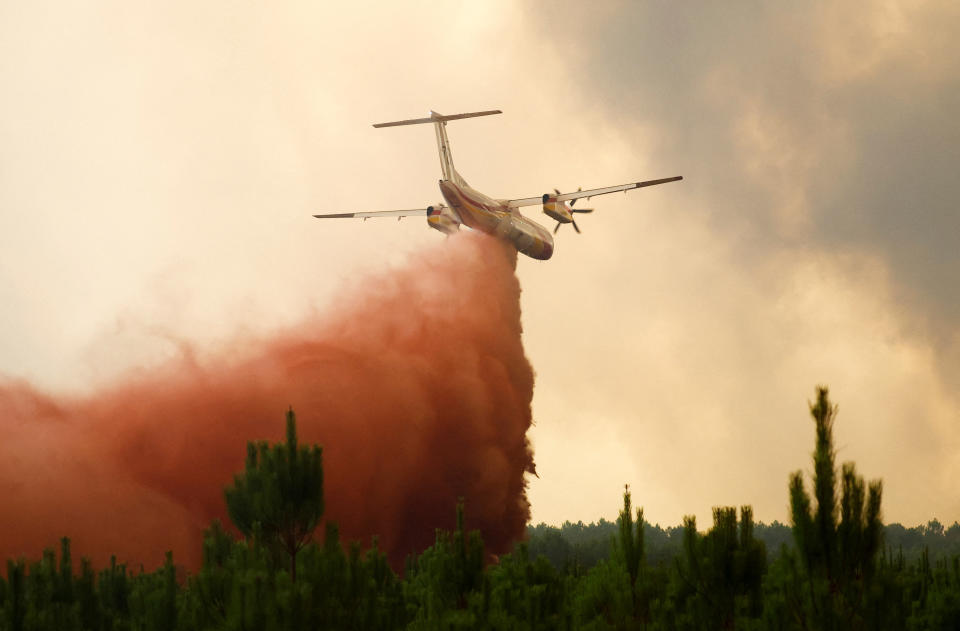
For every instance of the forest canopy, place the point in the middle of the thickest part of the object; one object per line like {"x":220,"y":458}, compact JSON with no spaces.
{"x":834,"y":567}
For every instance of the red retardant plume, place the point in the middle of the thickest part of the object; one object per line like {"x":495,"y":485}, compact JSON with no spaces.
{"x":415,"y":384}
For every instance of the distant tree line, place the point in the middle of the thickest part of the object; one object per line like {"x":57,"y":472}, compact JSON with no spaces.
{"x":835,"y":567}
{"x":582,"y":546}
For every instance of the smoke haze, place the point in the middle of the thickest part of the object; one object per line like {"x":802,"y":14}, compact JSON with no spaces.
{"x":160,"y":162}
{"x":416,"y":385}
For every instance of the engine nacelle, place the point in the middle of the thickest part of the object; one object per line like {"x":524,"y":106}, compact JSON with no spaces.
{"x":442,"y":218}
{"x":558,"y":211}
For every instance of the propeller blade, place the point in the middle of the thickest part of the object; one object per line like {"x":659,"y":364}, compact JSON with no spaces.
{"x":557,"y":228}
{"x":575,"y":227}
{"x":581,"y":210}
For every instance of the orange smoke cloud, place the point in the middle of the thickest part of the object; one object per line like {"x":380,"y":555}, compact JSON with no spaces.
{"x":416,"y":385}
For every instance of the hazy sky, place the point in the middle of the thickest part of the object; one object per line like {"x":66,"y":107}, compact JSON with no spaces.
{"x":159,"y":164}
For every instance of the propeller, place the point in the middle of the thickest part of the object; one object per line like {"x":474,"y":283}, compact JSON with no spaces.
{"x":573,"y":210}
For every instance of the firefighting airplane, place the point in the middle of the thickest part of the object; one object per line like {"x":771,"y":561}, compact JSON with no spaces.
{"x":497,"y":217}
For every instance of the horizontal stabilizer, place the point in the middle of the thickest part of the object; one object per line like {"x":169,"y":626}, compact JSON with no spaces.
{"x":437,"y":118}
{"x":375,"y":213}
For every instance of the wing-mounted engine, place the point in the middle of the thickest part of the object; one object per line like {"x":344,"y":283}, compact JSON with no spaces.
{"x":442,"y":218}
{"x":558,"y":211}
{"x":561,"y":211}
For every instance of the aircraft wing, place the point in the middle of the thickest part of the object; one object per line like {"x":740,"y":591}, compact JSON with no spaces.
{"x":376,"y":213}
{"x":533,"y":201}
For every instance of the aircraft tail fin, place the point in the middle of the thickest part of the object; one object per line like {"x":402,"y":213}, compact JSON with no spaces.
{"x":443,"y":145}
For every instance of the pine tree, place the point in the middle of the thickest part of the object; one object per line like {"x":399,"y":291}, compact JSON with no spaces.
{"x":113,"y":585}
{"x":279,"y":494}
{"x":89,"y":607}
{"x":837,"y":558}
{"x":17,"y":598}
{"x":632,"y":547}
{"x":722,"y":571}
{"x":442,"y":579}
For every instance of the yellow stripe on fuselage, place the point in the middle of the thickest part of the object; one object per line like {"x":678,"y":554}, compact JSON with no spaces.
{"x":475,"y":209}
{"x":479,"y":212}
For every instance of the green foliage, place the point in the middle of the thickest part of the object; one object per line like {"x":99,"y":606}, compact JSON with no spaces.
{"x":631,"y":543}
{"x":721,"y":572}
{"x":836,"y":557}
{"x":602,"y":598}
{"x":630,"y":548}
{"x":937,"y":605}
{"x":279,"y":495}
{"x":520,"y":593}
{"x":114,"y":586}
{"x":153,"y":598}
{"x":441,"y":580}
{"x":15,"y":601}
{"x":625,"y":575}
{"x":573,"y":547}
{"x":938,"y":541}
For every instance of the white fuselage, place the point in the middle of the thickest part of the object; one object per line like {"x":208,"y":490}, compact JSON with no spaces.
{"x":476,"y":210}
